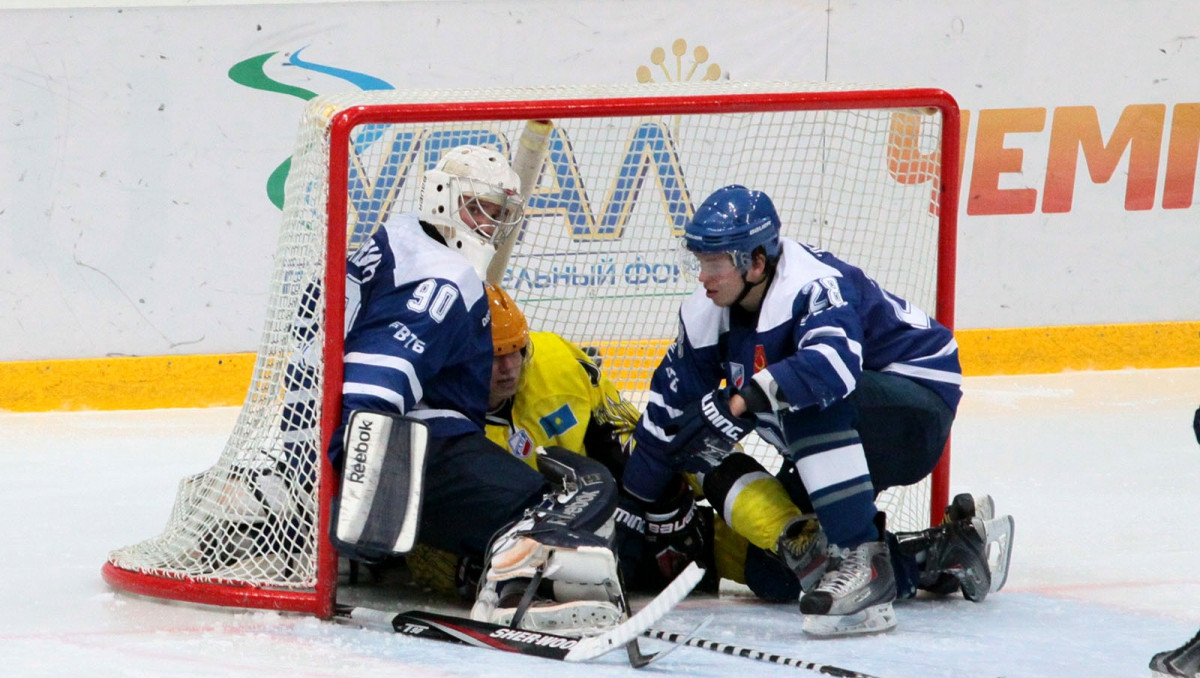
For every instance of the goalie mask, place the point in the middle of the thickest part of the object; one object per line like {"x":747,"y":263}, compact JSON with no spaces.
{"x":473,"y":198}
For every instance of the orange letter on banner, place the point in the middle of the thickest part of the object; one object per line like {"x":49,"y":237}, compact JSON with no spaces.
{"x":992,"y":159}
{"x":1077,"y":128}
{"x":1180,"y":184}
{"x":965,"y":116}
{"x":906,"y":163}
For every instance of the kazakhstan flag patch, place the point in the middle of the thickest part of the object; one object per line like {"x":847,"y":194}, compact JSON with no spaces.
{"x":559,"y":421}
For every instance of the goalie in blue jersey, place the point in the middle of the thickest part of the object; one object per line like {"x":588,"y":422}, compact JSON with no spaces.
{"x":416,"y":462}
{"x":854,"y":386}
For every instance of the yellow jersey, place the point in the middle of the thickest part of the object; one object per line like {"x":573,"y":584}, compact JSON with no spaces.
{"x":562,"y":394}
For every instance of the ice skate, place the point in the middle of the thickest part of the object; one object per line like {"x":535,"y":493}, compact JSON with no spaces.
{"x":854,"y":595}
{"x":969,"y":551}
{"x":1182,"y":662}
{"x":962,"y":507}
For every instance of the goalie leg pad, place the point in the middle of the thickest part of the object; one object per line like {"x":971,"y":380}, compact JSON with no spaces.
{"x":562,"y":549}
{"x":576,"y":587}
{"x":378,"y":511}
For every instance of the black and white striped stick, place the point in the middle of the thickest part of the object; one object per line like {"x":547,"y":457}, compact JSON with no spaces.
{"x":748,"y":653}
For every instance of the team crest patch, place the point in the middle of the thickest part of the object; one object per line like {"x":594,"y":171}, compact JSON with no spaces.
{"x":737,"y":374}
{"x":520,"y":444}
{"x":760,"y":358}
{"x":559,"y":421}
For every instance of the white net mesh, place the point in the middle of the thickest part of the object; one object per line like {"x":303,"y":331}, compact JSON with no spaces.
{"x":596,"y":260}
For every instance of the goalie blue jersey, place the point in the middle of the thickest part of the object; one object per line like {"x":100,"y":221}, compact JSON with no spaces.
{"x":418,"y":338}
{"x":821,"y":323}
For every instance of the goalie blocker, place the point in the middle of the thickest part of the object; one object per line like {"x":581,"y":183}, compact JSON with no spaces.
{"x":378,"y":510}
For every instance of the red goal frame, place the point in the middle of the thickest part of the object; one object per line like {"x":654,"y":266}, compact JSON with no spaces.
{"x":320,"y":601}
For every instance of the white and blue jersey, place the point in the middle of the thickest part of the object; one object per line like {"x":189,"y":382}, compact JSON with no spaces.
{"x":821,"y":323}
{"x":418,"y":339}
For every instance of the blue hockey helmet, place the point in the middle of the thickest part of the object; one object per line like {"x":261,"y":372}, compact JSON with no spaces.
{"x":736,"y":220}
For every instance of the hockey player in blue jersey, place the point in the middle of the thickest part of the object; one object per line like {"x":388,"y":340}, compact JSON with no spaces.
{"x":854,"y":386}
{"x":418,"y":345}
{"x":418,"y":341}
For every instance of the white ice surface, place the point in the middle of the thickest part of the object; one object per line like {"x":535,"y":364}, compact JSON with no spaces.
{"x":1100,"y":470}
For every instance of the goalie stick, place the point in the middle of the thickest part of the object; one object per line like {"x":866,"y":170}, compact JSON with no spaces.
{"x":528,"y":158}
{"x":464,"y":631}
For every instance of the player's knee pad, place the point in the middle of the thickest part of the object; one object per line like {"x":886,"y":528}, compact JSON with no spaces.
{"x":734,"y":471}
{"x":753,"y":502}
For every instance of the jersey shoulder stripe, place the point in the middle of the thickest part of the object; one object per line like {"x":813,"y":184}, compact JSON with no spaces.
{"x":798,"y":266}
{"x":424,"y":258}
{"x":703,"y":321}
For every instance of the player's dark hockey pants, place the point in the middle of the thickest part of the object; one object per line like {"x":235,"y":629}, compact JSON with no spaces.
{"x":473,"y":487}
{"x":903,"y":427}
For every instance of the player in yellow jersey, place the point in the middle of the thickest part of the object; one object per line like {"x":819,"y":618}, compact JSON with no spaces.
{"x":546,"y":392}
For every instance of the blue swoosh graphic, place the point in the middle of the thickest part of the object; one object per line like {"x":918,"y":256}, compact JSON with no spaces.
{"x":360,"y":80}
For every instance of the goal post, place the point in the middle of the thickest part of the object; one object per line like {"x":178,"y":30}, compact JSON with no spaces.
{"x":869,"y":173}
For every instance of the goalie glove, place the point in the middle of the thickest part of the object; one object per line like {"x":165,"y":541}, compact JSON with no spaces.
{"x":705,"y":433}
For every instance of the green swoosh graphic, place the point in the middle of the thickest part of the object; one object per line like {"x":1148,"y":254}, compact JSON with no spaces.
{"x":276,"y":181}
{"x":249,"y":73}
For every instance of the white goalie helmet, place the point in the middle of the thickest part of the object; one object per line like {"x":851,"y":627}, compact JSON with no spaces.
{"x":473,"y":197}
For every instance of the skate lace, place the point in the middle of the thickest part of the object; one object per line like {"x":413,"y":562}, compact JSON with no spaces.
{"x":850,"y":566}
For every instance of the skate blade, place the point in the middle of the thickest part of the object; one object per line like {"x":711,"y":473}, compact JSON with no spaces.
{"x":876,"y":619}
{"x":985,"y":507}
{"x":998,"y":537}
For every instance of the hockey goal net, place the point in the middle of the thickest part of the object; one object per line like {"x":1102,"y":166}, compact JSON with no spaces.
{"x":868,"y":173}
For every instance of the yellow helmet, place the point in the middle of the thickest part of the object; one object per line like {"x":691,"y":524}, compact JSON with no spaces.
{"x":510,"y":331}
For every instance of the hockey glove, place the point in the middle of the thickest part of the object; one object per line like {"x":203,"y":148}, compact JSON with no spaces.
{"x":705,"y":433}
{"x":656,"y":541}
{"x":678,"y":532}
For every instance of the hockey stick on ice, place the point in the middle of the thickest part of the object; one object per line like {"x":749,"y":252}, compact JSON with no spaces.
{"x":748,"y":653}
{"x":629,"y":630}
{"x":466,"y":631}
{"x":639,"y":660}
